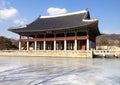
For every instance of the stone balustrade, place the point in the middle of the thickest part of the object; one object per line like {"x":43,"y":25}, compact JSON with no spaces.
{"x":60,"y":53}
{"x":111,"y":52}
{"x":47,"y":53}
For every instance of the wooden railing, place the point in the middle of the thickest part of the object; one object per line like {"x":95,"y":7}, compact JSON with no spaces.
{"x":57,"y":38}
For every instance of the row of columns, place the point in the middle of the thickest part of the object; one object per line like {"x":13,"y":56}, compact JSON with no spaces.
{"x":44,"y":45}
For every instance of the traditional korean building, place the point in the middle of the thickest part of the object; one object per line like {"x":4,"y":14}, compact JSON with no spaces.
{"x":71,"y":31}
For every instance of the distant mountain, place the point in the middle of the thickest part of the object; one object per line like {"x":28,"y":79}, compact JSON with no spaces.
{"x":109,"y":39}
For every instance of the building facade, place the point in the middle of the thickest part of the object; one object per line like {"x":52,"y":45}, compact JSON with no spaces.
{"x":71,"y":31}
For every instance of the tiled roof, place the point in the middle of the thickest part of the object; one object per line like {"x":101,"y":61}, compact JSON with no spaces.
{"x":58,"y":22}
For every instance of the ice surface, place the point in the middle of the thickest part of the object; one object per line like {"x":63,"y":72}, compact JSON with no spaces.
{"x":58,"y":71}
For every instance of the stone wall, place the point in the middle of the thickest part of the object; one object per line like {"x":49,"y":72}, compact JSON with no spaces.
{"x":48,"y":53}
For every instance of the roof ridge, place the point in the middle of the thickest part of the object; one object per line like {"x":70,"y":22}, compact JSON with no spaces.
{"x":90,"y":20}
{"x":65,"y":14}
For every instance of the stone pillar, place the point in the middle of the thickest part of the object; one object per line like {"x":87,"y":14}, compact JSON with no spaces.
{"x":35,"y":45}
{"x":75,"y":46}
{"x":88,"y":44}
{"x":27,"y":45}
{"x":19,"y":45}
{"x":65,"y":45}
{"x":44,"y":45}
{"x":54,"y":45}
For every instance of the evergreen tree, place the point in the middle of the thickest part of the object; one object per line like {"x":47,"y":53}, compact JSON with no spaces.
{"x":6,"y":44}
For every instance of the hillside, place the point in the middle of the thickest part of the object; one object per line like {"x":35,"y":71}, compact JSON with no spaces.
{"x":7,"y":44}
{"x":108,"y":39}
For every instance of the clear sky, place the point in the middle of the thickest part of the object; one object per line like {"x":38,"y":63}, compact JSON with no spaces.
{"x":21,"y":12}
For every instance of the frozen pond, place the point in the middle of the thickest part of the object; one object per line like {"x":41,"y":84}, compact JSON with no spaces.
{"x":59,"y":71}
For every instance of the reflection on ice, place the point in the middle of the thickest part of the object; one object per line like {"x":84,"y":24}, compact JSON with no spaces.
{"x":58,"y":71}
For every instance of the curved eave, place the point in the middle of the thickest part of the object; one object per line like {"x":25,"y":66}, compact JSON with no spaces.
{"x":93,"y":24}
{"x":94,"y":27}
{"x":17,"y":30}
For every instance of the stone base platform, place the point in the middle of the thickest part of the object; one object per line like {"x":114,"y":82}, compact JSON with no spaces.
{"x":48,"y":53}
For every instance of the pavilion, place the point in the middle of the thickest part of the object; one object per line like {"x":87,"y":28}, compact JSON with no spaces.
{"x":70,"y":31}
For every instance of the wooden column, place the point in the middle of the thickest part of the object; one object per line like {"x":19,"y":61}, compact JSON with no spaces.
{"x":65,"y":42}
{"x":87,"y":44}
{"x":27,"y":45}
{"x":27,"y":42}
{"x":87,"y":41}
{"x":19,"y":45}
{"x":44,"y":42}
{"x":54,"y":41}
{"x":35,"y":45}
{"x":54,"y":45}
{"x":44,"y":45}
{"x":35,"y":42}
{"x":75,"y":47}
{"x":65,"y":45}
{"x":75,"y":42}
